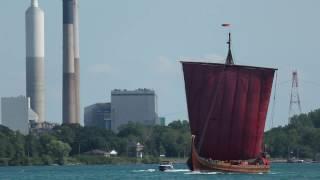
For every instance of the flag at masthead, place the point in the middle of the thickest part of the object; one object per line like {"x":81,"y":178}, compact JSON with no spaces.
{"x":229,"y":59}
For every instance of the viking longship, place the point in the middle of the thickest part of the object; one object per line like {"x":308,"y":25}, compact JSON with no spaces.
{"x":227,"y":108}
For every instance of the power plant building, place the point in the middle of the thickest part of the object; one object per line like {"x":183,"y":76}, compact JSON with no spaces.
{"x":16,"y":113}
{"x":98,"y":115}
{"x":35,"y":79}
{"x":133,"y":106}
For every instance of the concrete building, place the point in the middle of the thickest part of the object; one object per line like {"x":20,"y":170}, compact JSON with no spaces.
{"x":135,"y":106}
{"x":98,"y":115}
{"x":35,"y":80}
{"x":16,"y":113}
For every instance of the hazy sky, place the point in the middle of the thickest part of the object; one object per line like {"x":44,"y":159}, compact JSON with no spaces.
{"x":130,"y":44}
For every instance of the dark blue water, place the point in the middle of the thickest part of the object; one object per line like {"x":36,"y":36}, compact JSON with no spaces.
{"x":278,"y":171}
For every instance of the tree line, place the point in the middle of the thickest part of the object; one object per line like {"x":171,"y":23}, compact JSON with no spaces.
{"x":300,"y":138}
{"x":68,"y":143}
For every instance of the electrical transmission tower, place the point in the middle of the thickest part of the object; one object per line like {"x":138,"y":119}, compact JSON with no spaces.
{"x":295,"y":105}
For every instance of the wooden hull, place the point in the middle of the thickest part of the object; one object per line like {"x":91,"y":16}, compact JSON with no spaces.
{"x":197,"y":163}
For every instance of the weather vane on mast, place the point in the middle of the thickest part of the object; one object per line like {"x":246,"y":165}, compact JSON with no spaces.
{"x":229,"y":59}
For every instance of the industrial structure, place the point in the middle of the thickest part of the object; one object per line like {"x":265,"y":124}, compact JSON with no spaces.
{"x":16,"y":113}
{"x":39,"y":128}
{"x":133,"y":106}
{"x":295,"y":104}
{"x":71,"y":102}
{"x":98,"y":115}
{"x":137,"y":106}
{"x":35,"y":80}
{"x":21,"y":113}
{"x":77,"y":60}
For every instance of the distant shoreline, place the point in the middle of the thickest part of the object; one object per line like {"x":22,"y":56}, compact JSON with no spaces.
{"x":280,"y":160}
{"x":87,"y":161}
{"x":93,"y":160}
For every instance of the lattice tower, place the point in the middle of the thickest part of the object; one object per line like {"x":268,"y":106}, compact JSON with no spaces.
{"x":295,"y":104}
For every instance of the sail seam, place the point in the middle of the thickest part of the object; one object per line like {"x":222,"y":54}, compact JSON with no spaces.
{"x":221,"y":103}
{"x":235,"y":97}
{"x":258,"y":118}
{"x":212,"y":105}
{"x":246,"y":115}
{"x":200,"y":94}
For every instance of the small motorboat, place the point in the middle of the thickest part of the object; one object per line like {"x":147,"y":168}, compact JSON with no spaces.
{"x":294,"y":160}
{"x":165,"y":165}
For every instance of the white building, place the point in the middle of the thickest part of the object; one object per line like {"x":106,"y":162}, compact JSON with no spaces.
{"x":139,"y":150}
{"x":16,"y":113}
{"x":135,"y":106}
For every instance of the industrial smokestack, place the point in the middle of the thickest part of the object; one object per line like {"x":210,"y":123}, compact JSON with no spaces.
{"x":77,"y":59}
{"x":69,"y":91}
{"x":35,"y":81}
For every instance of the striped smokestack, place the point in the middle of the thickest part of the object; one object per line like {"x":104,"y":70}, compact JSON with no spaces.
{"x":35,"y":81}
{"x":69,"y":95}
{"x":77,"y":59}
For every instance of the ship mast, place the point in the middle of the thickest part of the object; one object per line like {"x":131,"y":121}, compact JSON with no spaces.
{"x":229,"y":59}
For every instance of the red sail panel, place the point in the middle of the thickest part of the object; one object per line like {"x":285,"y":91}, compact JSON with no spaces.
{"x":230,"y":82}
{"x":189,"y":91}
{"x":252,"y":112}
{"x":227,"y":108}
{"x":265,"y":98}
{"x":238,"y":126}
{"x":213,"y":116}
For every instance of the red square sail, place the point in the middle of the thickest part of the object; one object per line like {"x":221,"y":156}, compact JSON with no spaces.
{"x":227,"y":106}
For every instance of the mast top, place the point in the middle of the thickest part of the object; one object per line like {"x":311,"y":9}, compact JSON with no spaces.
{"x":229,"y":59}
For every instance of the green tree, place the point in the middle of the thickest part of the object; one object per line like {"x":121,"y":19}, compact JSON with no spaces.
{"x":58,"y":149}
{"x":301,"y":137}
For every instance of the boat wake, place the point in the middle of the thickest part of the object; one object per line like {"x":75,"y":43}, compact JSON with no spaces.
{"x":169,"y":170}
{"x":145,"y":170}
{"x":206,"y":173}
{"x":177,"y":170}
{"x":214,"y":173}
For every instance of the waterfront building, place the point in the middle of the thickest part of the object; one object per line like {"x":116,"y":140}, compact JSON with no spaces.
{"x":41,"y":127}
{"x":162,"y":121}
{"x":139,"y":150}
{"x":98,"y":115}
{"x":139,"y":106}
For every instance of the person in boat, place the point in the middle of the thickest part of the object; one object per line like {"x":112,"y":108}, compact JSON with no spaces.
{"x":244,"y":163}
{"x":262,"y":159}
